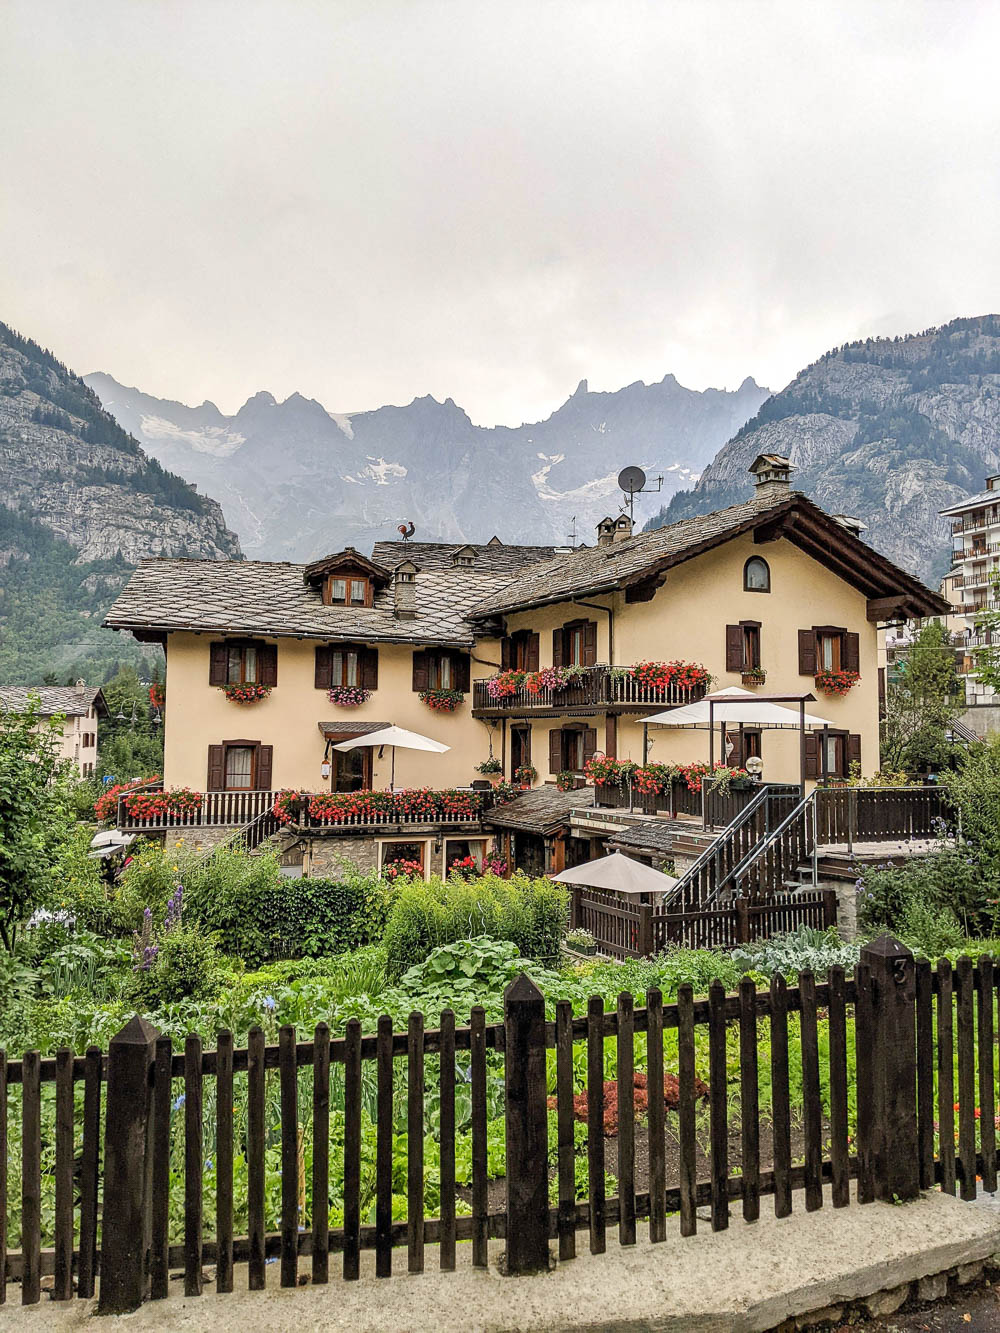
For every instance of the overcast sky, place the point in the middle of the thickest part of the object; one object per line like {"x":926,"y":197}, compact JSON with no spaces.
{"x":368,"y":201}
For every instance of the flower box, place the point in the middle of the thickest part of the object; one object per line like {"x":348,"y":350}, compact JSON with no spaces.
{"x":836,"y":682}
{"x":162,"y":804}
{"x":754,"y":676}
{"x":349,"y":696}
{"x":247,"y":693}
{"x":442,"y":701}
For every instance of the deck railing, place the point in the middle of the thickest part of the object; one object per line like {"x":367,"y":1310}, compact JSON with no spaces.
{"x":886,"y":1065}
{"x":597,"y":686}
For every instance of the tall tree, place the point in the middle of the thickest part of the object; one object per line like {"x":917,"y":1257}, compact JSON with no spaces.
{"x":922,"y":701}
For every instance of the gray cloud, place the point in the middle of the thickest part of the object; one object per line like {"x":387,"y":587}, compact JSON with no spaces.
{"x":369,"y":201}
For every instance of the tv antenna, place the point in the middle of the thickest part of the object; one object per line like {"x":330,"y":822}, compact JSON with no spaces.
{"x":572,"y":533}
{"x":632,"y":481}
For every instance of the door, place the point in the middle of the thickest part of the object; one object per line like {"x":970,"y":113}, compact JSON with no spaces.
{"x":351,"y":770}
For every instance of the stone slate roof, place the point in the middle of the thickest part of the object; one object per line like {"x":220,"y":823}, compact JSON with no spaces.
{"x":272,"y":598}
{"x":649,"y":836}
{"x":540,"y":810}
{"x":352,"y":728}
{"x":54,"y":699}
{"x":973,"y":502}
{"x":603,"y":569}
{"x":498,"y":558}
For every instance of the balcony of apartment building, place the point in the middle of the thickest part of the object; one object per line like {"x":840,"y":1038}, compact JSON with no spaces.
{"x":554,"y":694}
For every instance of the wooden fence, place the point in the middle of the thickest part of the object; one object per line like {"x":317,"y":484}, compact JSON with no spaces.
{"x":846,"y":815}
{"x":922,"y":1061}
{"x":626,"y":928}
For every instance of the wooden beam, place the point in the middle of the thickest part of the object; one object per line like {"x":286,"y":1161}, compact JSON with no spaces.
{"x":644,"y":591}
{"x":770,"y":532}
{"x":887,"y":608}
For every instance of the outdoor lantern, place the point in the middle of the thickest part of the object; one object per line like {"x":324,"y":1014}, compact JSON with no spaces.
{"x":755,"y":766}
{"x":324,"y":769}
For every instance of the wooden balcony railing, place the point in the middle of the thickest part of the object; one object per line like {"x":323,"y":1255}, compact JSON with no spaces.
{"x":598,"y":686}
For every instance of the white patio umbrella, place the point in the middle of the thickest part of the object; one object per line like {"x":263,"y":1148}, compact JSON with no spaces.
{"x":618,"y":873}
{"x":397,"y":738}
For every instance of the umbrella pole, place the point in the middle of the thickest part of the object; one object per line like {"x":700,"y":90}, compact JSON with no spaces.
{"x":711,"y":761}
{"x":392,"y":770}
{"x":802,"y":749}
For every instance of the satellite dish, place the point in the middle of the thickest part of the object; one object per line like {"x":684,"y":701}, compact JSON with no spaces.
{"x":631,"y":480}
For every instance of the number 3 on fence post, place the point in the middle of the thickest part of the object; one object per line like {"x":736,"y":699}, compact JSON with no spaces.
{"x":527,"y":1128}
{"x":895,"y":1152}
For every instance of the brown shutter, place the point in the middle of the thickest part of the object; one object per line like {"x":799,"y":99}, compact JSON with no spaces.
{"x":369,"y":668}
{"x":216,"y":767}
{"x":531,"y":656}
{"x":558,"y":647}
{"x":420,"y":670}
{"x":267,"y":663}
{"x":807,"y":652}
{"x":853,"y":749}
{"x":265,"y":755}
{"x":590,"y":643}
{"x":218,"y":656}
{"x":734,"y":648}
{"x":852,"y":652}
{"x":323,"y":679}
{"x":589,"y":744}
{"x":460,"y":672}
{"x":555,"y":750}
{"x":506,"y":653}
{"x":812,"y":756}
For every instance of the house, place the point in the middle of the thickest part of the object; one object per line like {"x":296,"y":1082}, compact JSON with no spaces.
{"x":528,"y":654}
{"x":973,"y":586}
{"x":78,"y":705}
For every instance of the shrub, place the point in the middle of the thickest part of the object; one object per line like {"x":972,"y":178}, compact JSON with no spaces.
{"x":530,"y":913}
{"x":184,"y":967}
{"x":950,"y":879}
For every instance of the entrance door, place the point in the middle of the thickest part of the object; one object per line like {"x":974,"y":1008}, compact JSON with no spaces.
{"x":351,"y":770}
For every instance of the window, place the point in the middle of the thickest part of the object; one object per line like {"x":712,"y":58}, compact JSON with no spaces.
{"x":756,"y":575}
{"x":828,"y":648}
{"x":570,"y":748}
{"x":830,"y":754}
{"x":751,"y":646}
{"x":459,"y":851}
{"x":407,"y":856}
{"x":437,"y":670}
{"x":575,"y":644}
{"x":239,"y":768}
{"x":743,"y":646}
{"x":348,"y":590}
{"x":346,"y":664}
{"x":243,"y":662}
{"x":519,"y":651}
{"x":520,"y":747}
{"x":828,"y":652}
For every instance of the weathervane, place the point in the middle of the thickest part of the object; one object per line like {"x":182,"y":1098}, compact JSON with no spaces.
{"x":632,"y":481}
{"x":406,"y":530}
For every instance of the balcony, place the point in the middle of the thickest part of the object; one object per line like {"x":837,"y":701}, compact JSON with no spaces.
{"x":597,"y":687}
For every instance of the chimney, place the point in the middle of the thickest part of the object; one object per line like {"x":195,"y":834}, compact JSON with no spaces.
{"x":606,"y":532}
{"x":80,"y":687}
{"x":771,"y":474}
{"x":993,"y":483}
{"x":850,"y":523}
{"x":623,"y":528}
{"x":404,"y":587}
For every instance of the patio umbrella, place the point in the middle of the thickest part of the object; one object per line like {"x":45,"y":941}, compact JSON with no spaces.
{"x":619,"y":873}
{"x":397,"y":738}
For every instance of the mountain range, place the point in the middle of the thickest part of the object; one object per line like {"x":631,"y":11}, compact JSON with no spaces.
{"x":295,"y":480}
{"x":888,"y":430}
{"x":80,"y":504}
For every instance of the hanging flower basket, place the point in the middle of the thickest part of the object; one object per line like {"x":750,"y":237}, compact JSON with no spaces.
{"x":836,"y":682}
{"x":442,"y":701}
{"x":489,"y":766}
{"x":349,"y":696}
{"x":247,"y":693}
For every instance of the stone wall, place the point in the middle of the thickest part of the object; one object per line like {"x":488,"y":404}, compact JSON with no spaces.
{"x":197,"y":839}
{"x":325,"y":857}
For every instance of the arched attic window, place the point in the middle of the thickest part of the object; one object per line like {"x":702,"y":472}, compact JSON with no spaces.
{"x":756,"y":575}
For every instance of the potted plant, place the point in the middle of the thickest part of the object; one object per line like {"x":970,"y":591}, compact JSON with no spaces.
{"x":491,"y":768}
{"x":754,"y":675}
{"x":525,"y":776}
{"x":567,"y":780}
{"x":581,"y":941}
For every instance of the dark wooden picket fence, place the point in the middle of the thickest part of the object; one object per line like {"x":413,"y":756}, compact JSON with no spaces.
{"x":914,"y":1027}
{"x":624,"y":927}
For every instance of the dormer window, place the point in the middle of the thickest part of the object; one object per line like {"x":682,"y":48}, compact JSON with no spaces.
{"x":348,"y":590}
{"x":465,"y":556}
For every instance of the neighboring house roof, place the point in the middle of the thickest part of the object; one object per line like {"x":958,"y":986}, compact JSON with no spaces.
{"x":540,"y":810}
{"x":644,"y":558}
{"x":273,"y":598}
{"x":973,"y":502}
{"x":494,"y":557}
{"x":650,"y":836}
{"x":64,"y":699}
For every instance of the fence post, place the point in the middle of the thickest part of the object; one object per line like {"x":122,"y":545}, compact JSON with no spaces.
{"x":895,"y":1155}
{"x":526,"y":1120}
{"x":126,"y":1228}
{"x":742,"y":907}
{"x":645,"y":930}
{"x":829,"y":908}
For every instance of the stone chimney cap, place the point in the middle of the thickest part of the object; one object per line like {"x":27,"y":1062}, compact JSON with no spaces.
{"x":770,"y":471}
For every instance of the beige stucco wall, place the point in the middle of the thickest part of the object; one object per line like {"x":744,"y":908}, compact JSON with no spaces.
{"x":686,"y":619}
{"x":72,"y":746}
{"x":199,"y":715}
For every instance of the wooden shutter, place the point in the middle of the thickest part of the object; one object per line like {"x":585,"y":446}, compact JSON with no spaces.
{"x":506,"y":653}
{"x":267,"y":663}
{"x":555,"y":750}
{"x":265,"y":756}
{"x":807,"y":652}
{"x":420,"y":670}
{"x":590,"y":643}
{"x":216,"y":767}
{"x":812,"y":756}
{"x":531,"y":657}
{"x":218,"y":657}
{"x":460,"y":672}
{"x":369,"y":668}
{"x":853,"y":749}
{"x":558,"y":647}
{"x":851,"y":656}
{"x":323,"y":679}
{"x":734,"y":647}
{"x":589,"y":744}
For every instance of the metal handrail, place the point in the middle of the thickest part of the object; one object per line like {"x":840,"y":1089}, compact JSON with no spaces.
{"x":741,"y":869}
{"x":714,"y":848}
